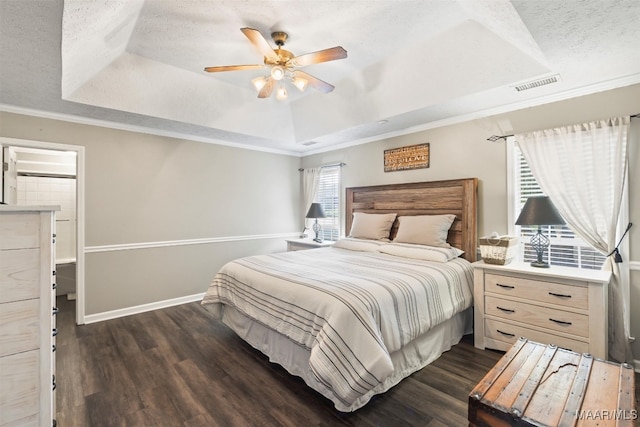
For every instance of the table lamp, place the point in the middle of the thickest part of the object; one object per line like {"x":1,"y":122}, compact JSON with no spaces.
{"x":539,"y":211}
{"x":315,"y":211}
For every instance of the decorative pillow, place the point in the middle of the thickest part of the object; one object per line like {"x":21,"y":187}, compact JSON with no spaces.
{"x":430,"y":230}
{"x":422,"y":252}
{"x":371,"y":226}
{"x":358,"y":244}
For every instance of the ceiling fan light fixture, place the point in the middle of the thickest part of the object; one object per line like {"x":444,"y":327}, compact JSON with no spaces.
{"x":277,"y":72}
{"x":281,"y":93}
{"x":259,"y":82}
{"x":281,"y":65}
{"x":300,"y":83}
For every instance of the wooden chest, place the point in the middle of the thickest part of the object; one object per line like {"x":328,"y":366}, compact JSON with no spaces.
{"x":543,"y":385}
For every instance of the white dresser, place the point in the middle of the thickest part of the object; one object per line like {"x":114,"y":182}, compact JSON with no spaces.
{"x":558,"y":305}
{"x":27,"y":315}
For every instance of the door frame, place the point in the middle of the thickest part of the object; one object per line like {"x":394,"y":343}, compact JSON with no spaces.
{"x":80,"y":202}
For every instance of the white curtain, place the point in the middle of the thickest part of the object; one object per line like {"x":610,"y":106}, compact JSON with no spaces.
{"x":310,"y":184}
{"x":582,"y":168}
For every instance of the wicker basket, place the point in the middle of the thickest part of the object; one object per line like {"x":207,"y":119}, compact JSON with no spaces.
{"x":498,"y":250}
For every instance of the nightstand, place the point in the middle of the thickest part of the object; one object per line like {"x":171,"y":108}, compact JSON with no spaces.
{"x":302,"y":244}
{"x":558,"y":305}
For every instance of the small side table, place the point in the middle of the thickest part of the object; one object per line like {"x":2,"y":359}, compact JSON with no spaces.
{"x":558,"y":305}
{"x":303,"y":244}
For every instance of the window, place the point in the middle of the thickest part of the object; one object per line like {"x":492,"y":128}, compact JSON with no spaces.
{"x":566,"y":249}
{"x":329,"y":197}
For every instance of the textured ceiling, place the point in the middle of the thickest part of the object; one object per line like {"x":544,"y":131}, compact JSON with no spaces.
{"x":413,"y":64}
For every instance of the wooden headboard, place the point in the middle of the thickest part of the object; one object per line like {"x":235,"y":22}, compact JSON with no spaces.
{"x":457,"y":196}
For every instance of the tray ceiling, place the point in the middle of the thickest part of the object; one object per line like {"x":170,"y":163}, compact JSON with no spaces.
{"x":411,"y":64}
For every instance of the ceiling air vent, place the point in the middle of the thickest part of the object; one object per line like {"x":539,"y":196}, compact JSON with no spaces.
{"x":309,"y":143}
{"x":537,"y":83}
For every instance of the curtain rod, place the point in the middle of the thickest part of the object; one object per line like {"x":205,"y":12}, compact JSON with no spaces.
{"x":494,"y":138}
{"x":327,"y":166}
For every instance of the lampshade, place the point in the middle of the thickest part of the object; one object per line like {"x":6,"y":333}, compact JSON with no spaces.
{"x":259,"y":82}
{"x":315,"y":211}
{"x":277,"y":72}
{"x":281,"y":93}
{"x":300,"y":83}
{"x":539,"y":211}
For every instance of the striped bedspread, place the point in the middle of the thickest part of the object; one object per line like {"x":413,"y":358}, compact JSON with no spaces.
{"x":350,"y":309}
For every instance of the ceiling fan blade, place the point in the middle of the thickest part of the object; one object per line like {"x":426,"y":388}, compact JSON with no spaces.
{"x":266,"y":90}
{"x":232,"y":68}
{"x":315,"y":82}
{"x":330,"y":54}
{"x":260,"y":43}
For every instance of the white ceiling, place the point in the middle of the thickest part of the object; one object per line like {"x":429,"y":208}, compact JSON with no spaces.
{"x":412,"y":63}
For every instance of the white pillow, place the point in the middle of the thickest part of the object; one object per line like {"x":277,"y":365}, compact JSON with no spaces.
{"x":371,"y":226}
{"x":422,"y":252}
{"x":358,"y":244}
{"x":430,"y":230}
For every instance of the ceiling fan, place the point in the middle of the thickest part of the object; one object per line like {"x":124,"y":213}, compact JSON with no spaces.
{"x":283,"y":65}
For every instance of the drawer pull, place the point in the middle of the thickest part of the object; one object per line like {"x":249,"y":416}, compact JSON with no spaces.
{"x":505,"y":333}
{"x":54,"y":332}
{"x":559,"y":295}
{"x":562,"y":322}
{"x":508,"y":310}
{"x":505,"y":286}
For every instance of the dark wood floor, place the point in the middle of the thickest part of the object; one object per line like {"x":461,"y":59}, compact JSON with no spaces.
{"x":180,"y":367}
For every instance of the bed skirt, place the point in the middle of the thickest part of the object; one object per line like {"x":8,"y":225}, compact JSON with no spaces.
{"x":295,"y":358}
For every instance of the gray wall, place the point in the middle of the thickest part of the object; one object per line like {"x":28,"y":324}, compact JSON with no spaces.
{"x":143,"y":188}
{"x":461,"y":150}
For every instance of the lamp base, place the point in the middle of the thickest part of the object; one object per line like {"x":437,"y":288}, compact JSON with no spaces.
{"x":317,"y":228}
{"x":540,"y":264}
{"x":539,"y":243}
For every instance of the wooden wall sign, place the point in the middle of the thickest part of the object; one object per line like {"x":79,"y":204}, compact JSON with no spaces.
{"x":404,"y":158}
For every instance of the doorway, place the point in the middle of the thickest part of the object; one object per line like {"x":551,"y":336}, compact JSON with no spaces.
{"x":47,"y":173}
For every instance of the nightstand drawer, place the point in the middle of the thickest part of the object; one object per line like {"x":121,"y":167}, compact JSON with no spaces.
{"x":19,"y":326}
{"x":546,"y":292}
{"x":19,"y":274}
{"x":20,"y":231}
{"x":508,"y":333}
{"x":536,"y":315}
{"x":20,"y":389}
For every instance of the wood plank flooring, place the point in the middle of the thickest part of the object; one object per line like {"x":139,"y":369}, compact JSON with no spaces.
{"x":180,"y":367}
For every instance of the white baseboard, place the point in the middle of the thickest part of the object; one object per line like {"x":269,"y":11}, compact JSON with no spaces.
{"x":636,"y":365}
{"x":114,"y":314}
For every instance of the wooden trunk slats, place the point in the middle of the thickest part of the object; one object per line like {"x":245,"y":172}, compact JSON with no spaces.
{"x":543,"y":385}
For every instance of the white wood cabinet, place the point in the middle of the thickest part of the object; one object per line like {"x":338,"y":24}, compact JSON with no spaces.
{"x":303,"y":244}
{"x":27,"y":315}
{"x":558,"y":305}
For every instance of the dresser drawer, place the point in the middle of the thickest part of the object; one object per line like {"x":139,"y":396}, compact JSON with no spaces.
{"x":535,"y":290}
{"x":19,"y":274}
{"x":20,"y":231}
{"x":19,"y":326}
{"x":19,"y":388}
{"x":540,"y":316}
{"x":509,"y":333}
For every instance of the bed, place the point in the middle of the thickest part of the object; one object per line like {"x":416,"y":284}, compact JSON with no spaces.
{"x":354,"y":319}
